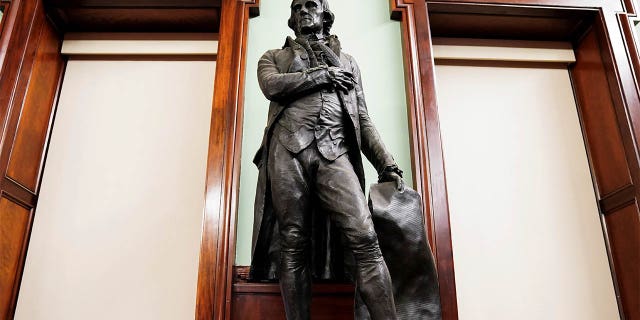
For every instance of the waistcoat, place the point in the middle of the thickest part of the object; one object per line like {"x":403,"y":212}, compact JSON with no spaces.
{"x":317,"y":116}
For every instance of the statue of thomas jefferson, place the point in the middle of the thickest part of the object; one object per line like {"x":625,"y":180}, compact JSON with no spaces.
{"x":310,"y":202}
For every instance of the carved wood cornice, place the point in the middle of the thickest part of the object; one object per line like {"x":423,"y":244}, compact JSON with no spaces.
{"x":253,"y":6}
{"x":134,"y":16}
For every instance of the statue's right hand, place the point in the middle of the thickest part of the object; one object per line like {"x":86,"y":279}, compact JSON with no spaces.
{"x":342,"y":79}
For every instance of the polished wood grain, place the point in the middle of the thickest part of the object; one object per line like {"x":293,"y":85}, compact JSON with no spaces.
{"x":4,"y":7}
{"x":14,"y":226}
{"x":607,"y":5}
{"x":599,"y":120}
{"x":623,"y":228}
{"x":508,"y":21}
{"x":13,"y":55}
{"x":30,"y":83}
{"x":618,"y":199}
{"x":125,"y":19}
{"x":426,"y":145}
{"x":135,"y":16}
{"x":18,"y":193}
{"x":135,"y":3}
{"x":263,"y":301}
{"x":27,"y":153}
{"x":217,"y":253}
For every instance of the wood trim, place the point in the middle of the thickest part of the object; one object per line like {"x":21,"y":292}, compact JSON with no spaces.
{"x":607,"y":5}
{"x":34,"y":44}
{"x":321,"y":289}
{"x":218,"y":239}
{"x":617,"y":200}
{"x":130,"y":16}
{"x":17,"y":276}
{"x":630,"y":7}
{"x":171,"y":4}
{"x":426,"y":145}
{"x":6,"y":6}
{"x":18,"y":193}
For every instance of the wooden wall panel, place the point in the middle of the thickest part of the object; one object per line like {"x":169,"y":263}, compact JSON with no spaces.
{"x":14,"y":227}
{"x":263,"y":301}
{"x":135,"y":16}
{"x":14,"y":54}
{"x":29,"y":84}
{"x":607,"y":125}
{"x":217,"y":250}
{"x":4,"y":7}
{"x":604,"y":139}
{"x":33,"y":128}
{"x":623,"y":228}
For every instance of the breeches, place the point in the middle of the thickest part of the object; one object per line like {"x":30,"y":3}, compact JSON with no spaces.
{"x":304,"y":180}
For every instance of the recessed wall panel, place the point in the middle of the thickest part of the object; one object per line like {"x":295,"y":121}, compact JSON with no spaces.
{"x":526,"y":231}
{"x":118,"y":226}
{"x":26,"y":155}
{"x":14,"y":224}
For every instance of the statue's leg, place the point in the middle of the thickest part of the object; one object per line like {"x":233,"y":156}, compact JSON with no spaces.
{"x":290,"y":197}
{"x":339,"y":193}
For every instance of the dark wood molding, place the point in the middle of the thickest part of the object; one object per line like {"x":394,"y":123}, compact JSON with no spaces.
{"x":327,"y":289}
{"x":494,"y":21}
{"x":5,"y":6}
{"x":426,"y":145}
{"x":30,"y":81}
{"x":618,"y":199}
{"x":135,"y":16}
{"x":217,"y":253}
{"x":19,"y":193}
{"x":605,"y":86}
{"x":259,"y":301}
{"x":512,"y":6}
{"x":630,"y":7}
{"x":17,"y":222}
{"x":171,"y":4}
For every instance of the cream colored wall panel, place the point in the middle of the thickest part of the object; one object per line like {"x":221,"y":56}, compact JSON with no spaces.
{"x":118,"y":226}
{"x":139,"y":44}
{"x":503,"y":50}
{"x":527,"y":239}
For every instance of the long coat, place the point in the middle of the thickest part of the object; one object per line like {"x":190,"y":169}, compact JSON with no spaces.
{"x":283,"y":75}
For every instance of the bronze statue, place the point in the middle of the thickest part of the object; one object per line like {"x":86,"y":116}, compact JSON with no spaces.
{"x":310,"y":200}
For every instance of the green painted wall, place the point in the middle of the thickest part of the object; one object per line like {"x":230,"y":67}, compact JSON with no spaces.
{"x":367,"y":33}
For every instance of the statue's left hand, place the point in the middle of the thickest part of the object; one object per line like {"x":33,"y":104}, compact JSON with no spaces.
{"x":392,"y":174}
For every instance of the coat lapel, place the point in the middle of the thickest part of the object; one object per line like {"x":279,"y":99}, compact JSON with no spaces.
{"x":300,"y":60}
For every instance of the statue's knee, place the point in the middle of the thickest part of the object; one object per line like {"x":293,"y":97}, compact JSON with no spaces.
{"x":293,"y":240}
{"x":365,"y":247}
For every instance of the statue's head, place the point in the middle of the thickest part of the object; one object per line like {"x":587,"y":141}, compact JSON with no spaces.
{"x":311,"y":16}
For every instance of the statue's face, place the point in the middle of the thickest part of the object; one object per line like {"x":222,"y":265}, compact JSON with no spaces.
{"x":308,"y":16}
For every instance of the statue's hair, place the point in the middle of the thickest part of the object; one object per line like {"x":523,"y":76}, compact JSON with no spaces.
{"x":328,"y":18}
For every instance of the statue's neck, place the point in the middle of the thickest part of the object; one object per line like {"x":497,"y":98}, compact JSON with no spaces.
{"x":313,"y":36}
